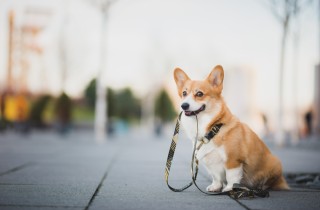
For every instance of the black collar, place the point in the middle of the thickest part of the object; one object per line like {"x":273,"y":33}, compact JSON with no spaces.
{"x":213,"y":131}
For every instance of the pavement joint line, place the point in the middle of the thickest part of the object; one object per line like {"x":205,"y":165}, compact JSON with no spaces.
{"x":35,"y":184}
{"x":38,"y":206}
{"x":21,"y":184}
{"x":241,"y":204}
{"x":18,"y":168}
{"x":113,"y":160}
{"x":97,"y":190}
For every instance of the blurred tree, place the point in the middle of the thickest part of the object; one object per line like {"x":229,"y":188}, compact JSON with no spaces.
{"x":37,"y":111}
{"x":284,"y":11}
{"x":63,"y":108}
{"x":4,"y":123}
{"x":90,"y":93}
{"x":111,"y":97}
{"x":127,"y":107}
{"x":111,"y":110}
{"x":63,"y":111}
{"x":164,"y":109}
{"x":122,"y":104}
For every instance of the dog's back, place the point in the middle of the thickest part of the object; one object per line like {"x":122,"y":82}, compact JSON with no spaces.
{"x":261,"y":169}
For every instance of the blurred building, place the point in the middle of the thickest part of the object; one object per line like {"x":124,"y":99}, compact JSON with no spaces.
{"x":24,"y":53}
{"x":24,"y":46}
{"x":240,"y":96}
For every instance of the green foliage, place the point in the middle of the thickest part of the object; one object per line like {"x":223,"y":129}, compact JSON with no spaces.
{"x":90,"y":93}
{"x":126,"y":106}
{"x":82,"y":113}
{"x":164,"y":109}
{"x":38,"y":109}
{"x":111,"y":95}
{"x":49,"y":115}
{"x":121,"y":104}
{"x":63,"y":108}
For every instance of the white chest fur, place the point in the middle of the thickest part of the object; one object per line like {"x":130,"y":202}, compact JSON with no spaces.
{"x":212,"y":156}
{"x":189,"y":124}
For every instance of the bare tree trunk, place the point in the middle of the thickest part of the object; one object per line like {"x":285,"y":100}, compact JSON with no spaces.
{"x":295,"y":68}
{"x":101,"y":99}
{"x":280,"y":134}
{"x":284,"y":11}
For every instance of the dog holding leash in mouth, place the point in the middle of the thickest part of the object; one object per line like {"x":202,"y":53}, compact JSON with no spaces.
{"x":235,"y":154}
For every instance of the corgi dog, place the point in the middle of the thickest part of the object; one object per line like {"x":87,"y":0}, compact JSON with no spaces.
{"x":235,"y":154}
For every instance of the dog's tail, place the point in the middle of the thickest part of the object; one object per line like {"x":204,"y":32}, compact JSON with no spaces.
{"x":281,"y":184}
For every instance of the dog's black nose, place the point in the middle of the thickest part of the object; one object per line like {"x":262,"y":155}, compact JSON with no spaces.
{"x":185,"y":106}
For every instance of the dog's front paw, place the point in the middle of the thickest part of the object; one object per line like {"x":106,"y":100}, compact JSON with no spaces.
{"x":227,"y":188}
{"x":214,"y":187}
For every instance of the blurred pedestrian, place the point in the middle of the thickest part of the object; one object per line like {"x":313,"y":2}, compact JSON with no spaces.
{"x":266,"y":128}
{"x":308,"y":119}
{"x":63,"y":111}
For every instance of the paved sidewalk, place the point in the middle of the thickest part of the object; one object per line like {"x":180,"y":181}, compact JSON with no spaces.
{"x":46,"y":171}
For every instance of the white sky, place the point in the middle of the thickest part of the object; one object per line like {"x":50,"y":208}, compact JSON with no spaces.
{"x":147,"y":39}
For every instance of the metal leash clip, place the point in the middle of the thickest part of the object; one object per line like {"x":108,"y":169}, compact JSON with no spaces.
{"x":205,"y":140}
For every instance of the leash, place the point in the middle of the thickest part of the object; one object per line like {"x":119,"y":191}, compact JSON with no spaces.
{"x":170,"y":157}
{"x":238,"y":190}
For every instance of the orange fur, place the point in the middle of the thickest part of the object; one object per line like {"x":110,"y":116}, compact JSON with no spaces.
{"x":242,"y":146}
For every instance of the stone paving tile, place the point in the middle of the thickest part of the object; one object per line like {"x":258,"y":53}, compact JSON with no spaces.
{"x":7,"y":164}
{"x":62,"y":174}
{"x":12,"y":166}
{"x":46,"y":195}
{"x":298,"y":160}
{"x":148,"y":195}
{"x":61,"y":171}
{"x":39,"y":208}
{"x":65,"y":172}
{"x":147,"y":202}
{"x":54,"y":174}
{"x":136,"y":181}
{"x":286,"y":200}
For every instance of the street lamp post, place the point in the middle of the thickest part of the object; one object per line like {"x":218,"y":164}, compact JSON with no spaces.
{"x":101,"y":95}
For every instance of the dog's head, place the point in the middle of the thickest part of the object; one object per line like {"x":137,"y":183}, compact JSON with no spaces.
{"x":200,"y":96}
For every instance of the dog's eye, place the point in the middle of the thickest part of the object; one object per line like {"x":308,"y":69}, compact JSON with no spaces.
{"x":199,"y":94}
{"x":184,"y":93}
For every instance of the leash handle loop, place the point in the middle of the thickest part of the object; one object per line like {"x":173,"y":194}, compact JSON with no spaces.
{"x":170,"y":157}
{"x":238,"y":190}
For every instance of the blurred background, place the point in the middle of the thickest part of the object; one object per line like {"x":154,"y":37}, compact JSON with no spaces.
{"x":107,"y":66}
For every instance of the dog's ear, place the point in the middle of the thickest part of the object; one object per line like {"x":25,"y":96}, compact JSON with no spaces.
{"x":180,"y":77}
{"x":215,"y":78}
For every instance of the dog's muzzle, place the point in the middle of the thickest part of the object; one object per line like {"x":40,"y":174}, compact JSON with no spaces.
{"x":190,"y":113}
